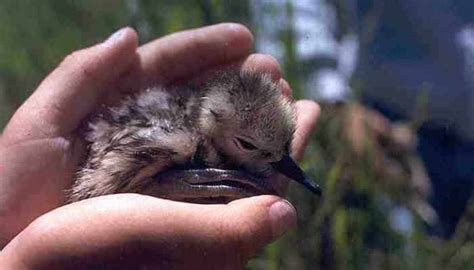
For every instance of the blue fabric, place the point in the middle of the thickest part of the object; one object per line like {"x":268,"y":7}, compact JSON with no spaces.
{"x":415,"y":47}
{"x":450,"y":165}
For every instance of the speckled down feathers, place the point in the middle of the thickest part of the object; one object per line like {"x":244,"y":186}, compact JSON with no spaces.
{"x":164,"y":127}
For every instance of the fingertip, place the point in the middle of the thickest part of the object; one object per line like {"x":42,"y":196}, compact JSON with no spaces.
{"x":307,"y":113}
{"x":125,"y":36}
{"x":240,"y":31}
{"x":255,"y":222}
{"x":310,"y":107}
{"x":285,"y":88}
{"x":132,"y":36}
{"x":267,"y":217}
{"x":263,"y":63}
{"x":282,"y":217}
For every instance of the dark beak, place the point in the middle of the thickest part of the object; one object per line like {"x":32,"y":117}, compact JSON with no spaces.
{"x":288,"y":167}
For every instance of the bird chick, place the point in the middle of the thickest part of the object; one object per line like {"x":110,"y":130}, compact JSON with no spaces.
{"x":216,"y":141}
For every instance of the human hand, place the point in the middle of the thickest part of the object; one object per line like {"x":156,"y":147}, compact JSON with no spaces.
{"x":41,"y":148}
{"x":131,"y":231}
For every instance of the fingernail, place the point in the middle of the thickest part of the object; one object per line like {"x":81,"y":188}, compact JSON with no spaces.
{"x":283,"y":217}
{"x":115,"y":38}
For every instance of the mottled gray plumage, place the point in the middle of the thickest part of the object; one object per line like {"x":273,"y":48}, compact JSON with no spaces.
{"x":196,"y":142}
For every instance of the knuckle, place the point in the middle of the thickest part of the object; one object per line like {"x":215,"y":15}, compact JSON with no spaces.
{"x":83,"y":63}
{"x":84,"y":60}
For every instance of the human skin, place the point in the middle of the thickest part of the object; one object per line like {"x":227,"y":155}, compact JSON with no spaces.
{"x":40,"y":150}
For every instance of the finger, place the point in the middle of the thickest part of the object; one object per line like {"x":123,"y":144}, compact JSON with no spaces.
{"x":265,"y":63}
{"x":183,"y":54}
{"x":307,"y":113}
{"x":133,"y":230}
{"x":262,"y":63}
{"x":285,"y":88}
{"x":258,"y":221}
{"x":74,"y":88}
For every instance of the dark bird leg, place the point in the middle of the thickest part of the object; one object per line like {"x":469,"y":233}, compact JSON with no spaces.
{"x":208,"y":183}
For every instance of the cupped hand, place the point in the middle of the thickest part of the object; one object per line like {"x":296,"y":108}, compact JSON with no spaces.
{"x":41,"y":148}
{"x":130,"y":231}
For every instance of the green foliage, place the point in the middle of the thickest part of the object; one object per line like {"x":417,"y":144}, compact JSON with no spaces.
{"x":36,"y":35}
{"x":348,"y":228}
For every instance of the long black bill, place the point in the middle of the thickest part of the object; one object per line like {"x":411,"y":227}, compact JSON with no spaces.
{"x":288,"y":167}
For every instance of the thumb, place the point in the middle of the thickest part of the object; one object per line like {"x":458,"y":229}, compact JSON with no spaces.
{"x":128,"y":230}
{"x":74,"y":88}
{"x":252,"y":223}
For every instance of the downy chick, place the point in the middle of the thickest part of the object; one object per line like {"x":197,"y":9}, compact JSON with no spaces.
{"x":202,"y":142}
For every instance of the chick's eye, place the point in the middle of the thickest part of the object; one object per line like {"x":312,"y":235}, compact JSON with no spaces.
{"x":246,"y":145}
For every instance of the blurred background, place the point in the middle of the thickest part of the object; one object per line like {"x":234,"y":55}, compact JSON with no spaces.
{"x":394,"y":147}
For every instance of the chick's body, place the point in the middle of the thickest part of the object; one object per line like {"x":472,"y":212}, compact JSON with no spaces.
{"x":190,"y":142}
